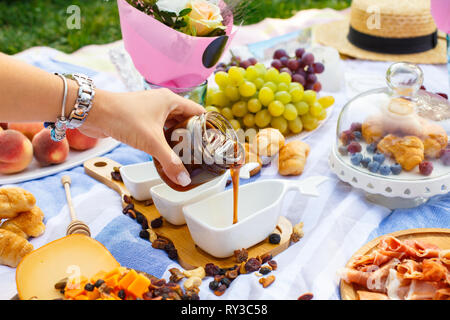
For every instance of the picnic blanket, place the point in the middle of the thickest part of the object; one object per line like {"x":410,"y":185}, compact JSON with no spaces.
{"x":336,"y":223}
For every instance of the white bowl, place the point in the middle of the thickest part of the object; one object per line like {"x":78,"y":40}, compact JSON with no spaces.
{"x":170,"y":202}
{"x":210,"y":221}
{"x":139,"y":178}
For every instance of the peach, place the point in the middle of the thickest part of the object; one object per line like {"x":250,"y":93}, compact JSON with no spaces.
{"x":47,"y":151}
{"x":29,"y":129}
{"x":80,"y":141}
{"x":16,"y":151}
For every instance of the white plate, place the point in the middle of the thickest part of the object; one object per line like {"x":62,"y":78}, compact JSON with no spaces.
{"x":75,"y":158}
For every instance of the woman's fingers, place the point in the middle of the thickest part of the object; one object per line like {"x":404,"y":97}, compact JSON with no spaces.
{"x":185,"y":108}
{"x":171,"y":163}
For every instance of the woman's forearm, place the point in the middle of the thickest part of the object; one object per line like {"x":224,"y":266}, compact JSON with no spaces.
{"x":30,"y":94}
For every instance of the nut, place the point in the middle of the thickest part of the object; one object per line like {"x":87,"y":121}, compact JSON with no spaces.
{"x":241,"y":255}
{"x":152,"y":235}
{"x":242,"y":268}
{"x":297,"y":233}
{"x":267,"y":281}
{"x":198,"y":272}
{"x":192,"y":282}
{"x":176,"y":275}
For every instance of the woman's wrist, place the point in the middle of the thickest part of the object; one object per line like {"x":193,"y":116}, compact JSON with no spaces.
{"x":101,"y":114}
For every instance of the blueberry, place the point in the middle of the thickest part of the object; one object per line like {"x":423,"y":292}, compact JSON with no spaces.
{"x":356,"y":158}
{"x":343,"y":150}
{"x":371,"y":148}
{"x":385,"y":170}
{"x":379,"y":157}
{"x":396,"y":169}
{"x":365,"y":162}
{"x":374,"y":166}
{"x":358,"y":135}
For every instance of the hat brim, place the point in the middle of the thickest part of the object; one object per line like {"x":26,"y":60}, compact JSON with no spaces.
{"x":334,"y":34}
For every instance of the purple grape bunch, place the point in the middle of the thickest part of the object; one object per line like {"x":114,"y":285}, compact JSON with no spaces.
{"x":302,"y":67}
{"x":236,"y":61}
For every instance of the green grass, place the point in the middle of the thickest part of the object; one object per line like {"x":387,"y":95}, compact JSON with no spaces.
{"x":29,"y":23}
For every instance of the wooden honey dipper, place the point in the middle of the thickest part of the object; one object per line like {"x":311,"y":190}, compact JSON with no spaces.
{"x":75,"y":226}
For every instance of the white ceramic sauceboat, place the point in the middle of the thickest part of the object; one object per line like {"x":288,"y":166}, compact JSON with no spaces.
{"x":210,"y":221}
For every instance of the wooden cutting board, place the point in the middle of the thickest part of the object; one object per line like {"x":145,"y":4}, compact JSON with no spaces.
{"x":189,"y":255}
{"x":436,"y":236}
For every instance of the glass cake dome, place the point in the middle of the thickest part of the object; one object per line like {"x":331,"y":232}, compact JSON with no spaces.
{"x":398,"y":132}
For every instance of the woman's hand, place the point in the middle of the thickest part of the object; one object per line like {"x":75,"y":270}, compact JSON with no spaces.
{"x":138,"y":119}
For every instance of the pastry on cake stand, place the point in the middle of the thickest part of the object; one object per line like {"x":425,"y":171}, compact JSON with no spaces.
{"x":389,"y":147}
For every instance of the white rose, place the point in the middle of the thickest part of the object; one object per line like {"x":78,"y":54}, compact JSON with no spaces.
{"x":172,"y":5}
{"x":205,"y":16}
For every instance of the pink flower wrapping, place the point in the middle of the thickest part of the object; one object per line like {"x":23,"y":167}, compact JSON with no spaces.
{"x":167,"y":57}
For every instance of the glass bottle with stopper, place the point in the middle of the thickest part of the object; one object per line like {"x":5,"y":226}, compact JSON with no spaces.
{"x":207,"y":145}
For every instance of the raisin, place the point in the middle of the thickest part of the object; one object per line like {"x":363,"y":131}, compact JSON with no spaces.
{"x":168,"y":247}
{"x":222,"y":271}
{"x":156,"y":223}
{"x":128,"y":207}
{"x":241,"y":255}
{"x":252,"y":265}
{"x":213,"y":285}
{"x":127,"y":199}
{"x":211,"y":269}
{"x":265,"y":270}
{"x":231,"y":274}
{"x":266,"y":257}
{"x":144,"y":223}
{"x":116,"y":176}
{"x":121,"y":294}
{"x":98,"y":283}
{"x":89,"y":287}
{"x":220,"y":290}
{"x":160,"y":243}
{"x":144,"y":234}
{"x":173,"y":254}
{"x":139,"y":217}
{"x":273,"y":264}
{"x":274,"y":238}
{"x":131,"y":213}
{"x":306,"y":296}
{"x":226,"y":282}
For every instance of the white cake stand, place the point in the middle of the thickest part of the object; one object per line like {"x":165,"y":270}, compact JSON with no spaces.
{"x":393,"y":193}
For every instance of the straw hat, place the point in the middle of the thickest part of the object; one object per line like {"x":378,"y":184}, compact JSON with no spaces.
{"x":386,"y":30}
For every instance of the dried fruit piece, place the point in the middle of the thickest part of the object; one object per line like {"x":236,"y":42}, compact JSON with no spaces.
{"x":211,"y":269}
{"x":220,"y":290}
{"x":274,"y":238}
{"x":176,"y":275}
{"x":160,"y":243}
{"x":267,"y":281}
{"x":129,"y":206}
{"x":265,"y":270}
{"x":198,"y":272}
{"x":127,"y":199}
{"x":266,"y":257}
{"x":241,"y":255}
{"x":252,"y":265}
{"x":273,"y":264}
{"x":306,"y":296}
{"x":242,"y":268}
{"x":231,"y":274}
{"x":297,"y":232}
{"x":157,"y":223}
{"x":213,"y":285}
{"x":116,"y":176}
{"x":144,"y":234}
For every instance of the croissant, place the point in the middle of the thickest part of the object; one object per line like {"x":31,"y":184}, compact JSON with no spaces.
{"x":435,"y":139}
{"x":268,"y":142}
{"x":13,"y":248}
{"x":26,"y":224}
{"x":372,"y":129}
{"x":292,"y":158}
{"x":15,"y":200}
{"x":407,"y":151}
